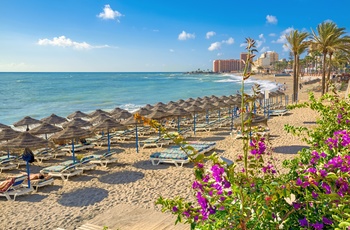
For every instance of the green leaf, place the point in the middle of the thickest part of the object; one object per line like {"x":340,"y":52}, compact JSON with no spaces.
{"x":344,"y":224}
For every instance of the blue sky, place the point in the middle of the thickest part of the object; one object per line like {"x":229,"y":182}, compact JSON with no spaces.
{"x":149,"y":35}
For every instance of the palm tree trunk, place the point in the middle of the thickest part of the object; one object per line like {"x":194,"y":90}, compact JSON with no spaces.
{"x":297,"y":78}
{"x":324,"y":73}
{"x":295,"y":82}
{"x":329,"y":71}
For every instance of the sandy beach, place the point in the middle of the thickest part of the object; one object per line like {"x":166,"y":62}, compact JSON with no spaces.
{"x":122,"y":196}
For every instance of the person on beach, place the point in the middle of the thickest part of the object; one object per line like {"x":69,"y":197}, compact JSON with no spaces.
{"x":4,"y":185}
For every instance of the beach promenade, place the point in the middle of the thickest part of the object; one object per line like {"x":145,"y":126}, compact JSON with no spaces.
{"x":122,"y":195}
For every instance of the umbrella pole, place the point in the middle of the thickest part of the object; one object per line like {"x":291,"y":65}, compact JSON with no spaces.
{"x":8,"y":153}
{"x":28,"y":174}
{"x":178,"y":124}
{"x":137,"y":140}
{"x":232,"y":121}
{"x":73,"y":150}
{"x":47,"y":145}
{"x":109,"y":141}
{"x":207,"y":116}
{"x":194,"y":124}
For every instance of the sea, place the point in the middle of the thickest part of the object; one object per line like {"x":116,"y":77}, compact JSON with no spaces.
{"x":39,"y":95}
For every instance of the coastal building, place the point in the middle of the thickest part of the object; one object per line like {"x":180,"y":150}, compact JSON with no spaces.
{"x":243,"y":57}
{"x":226,"y":66}
{"x":266,"y":61}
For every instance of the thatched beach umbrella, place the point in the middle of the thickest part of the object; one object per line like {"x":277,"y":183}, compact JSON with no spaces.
{"x":194,"y":109}
{"x":179,"y":112}
{"x":26,"y":140}
{"x":2,"y":126}
{"x":27,"y":121}
{"x":206,"y":106}
{"x":157,"y":114}
{"x":117,"y":110}
{"x":77,"y":122}
{"x":70,"y":133}
{"x":77,"y":114}
{"x":7,"y":134}
{"x":143,"y":111}
{"x":53,"y":119}
{"x":148,"y":107}
{"x":45,"y":128}
{"x":98,"y":112}
{"x":99,"y":118}
{"x":122,"y":115}
{"x":107,"y":125}
{"x":133,"y":121}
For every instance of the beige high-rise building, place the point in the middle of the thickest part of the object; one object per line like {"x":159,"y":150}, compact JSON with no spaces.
{"x":267,"y":59}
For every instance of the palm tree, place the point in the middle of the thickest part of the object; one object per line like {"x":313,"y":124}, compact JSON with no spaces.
{"x":328,"y":39}
{"x":297,"y":46}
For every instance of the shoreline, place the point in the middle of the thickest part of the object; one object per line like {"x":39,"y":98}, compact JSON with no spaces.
{"x":122,"y":196}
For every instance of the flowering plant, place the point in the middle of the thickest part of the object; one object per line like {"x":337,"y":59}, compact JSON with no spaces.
{"x":252,"y":194}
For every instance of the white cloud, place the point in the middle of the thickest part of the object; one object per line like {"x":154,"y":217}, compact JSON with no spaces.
{"x":272,"y":34}
{"x":215,"y":46}
{"x":220,"y":54}
{"x":210,"y":34}
{"x":229,"y":41}
{"x":282,"y":39}
{"x":261,"y":41}
{"x":271,"y":19}
{"x":109,"y":14}
{"x":242,"y":44}
{"x":171,"y":50}
{"x":62,"y":41}
{"x":184,"y":36}
{"x":264,"y":49}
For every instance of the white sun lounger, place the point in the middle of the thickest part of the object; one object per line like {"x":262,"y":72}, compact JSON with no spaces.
{"x":17,"y":188}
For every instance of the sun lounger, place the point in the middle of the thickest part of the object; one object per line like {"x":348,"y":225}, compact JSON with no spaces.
{"x":175,"y":155}
{"x":38,"y":183}
{"x":42,"y":155}
{"x":157,"y":142}
{"x":64,"y":170}
{"x":7,"y":164}
{"x":16,"y":188}
{"x":278,"y":112}
{"x":103,"y":159}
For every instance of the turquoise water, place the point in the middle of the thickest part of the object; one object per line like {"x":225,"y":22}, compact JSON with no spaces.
{"x":40,"y":94}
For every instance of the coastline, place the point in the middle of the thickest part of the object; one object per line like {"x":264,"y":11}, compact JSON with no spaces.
{"x":122,"y":196}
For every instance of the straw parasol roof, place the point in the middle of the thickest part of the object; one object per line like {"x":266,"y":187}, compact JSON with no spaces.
{"x":148,"y":107}
{"x":54,"y":119}
{"x":45,"y":128}
{"x":207,"y":106}
{"x":108,"y":124}
{"x":98,"y":112}
{"x":8,"y":134}
{"x":77,"y":114}
{"x":131,"y":121}
{"x":220,"y":104}
{"x":122,"y":115}
{"x":99,"y":118}
{"x":117,"y":110}
{"x":71,"y":132}
{"x":24,"y":140}
{"x":2,"y":126}
{"x":194,"y":109}
{"x":179,"y":112}
{"x":157,"y":114}
{"x":143,"y":111}
{"x":77,"y":122}
{"x":27,"y":121}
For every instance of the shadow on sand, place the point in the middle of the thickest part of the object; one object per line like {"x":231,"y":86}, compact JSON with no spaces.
{"x":121,"y":177}
{"x":147,"y":165}
{"x":293,"y":149}
{"x":83,"y":197}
